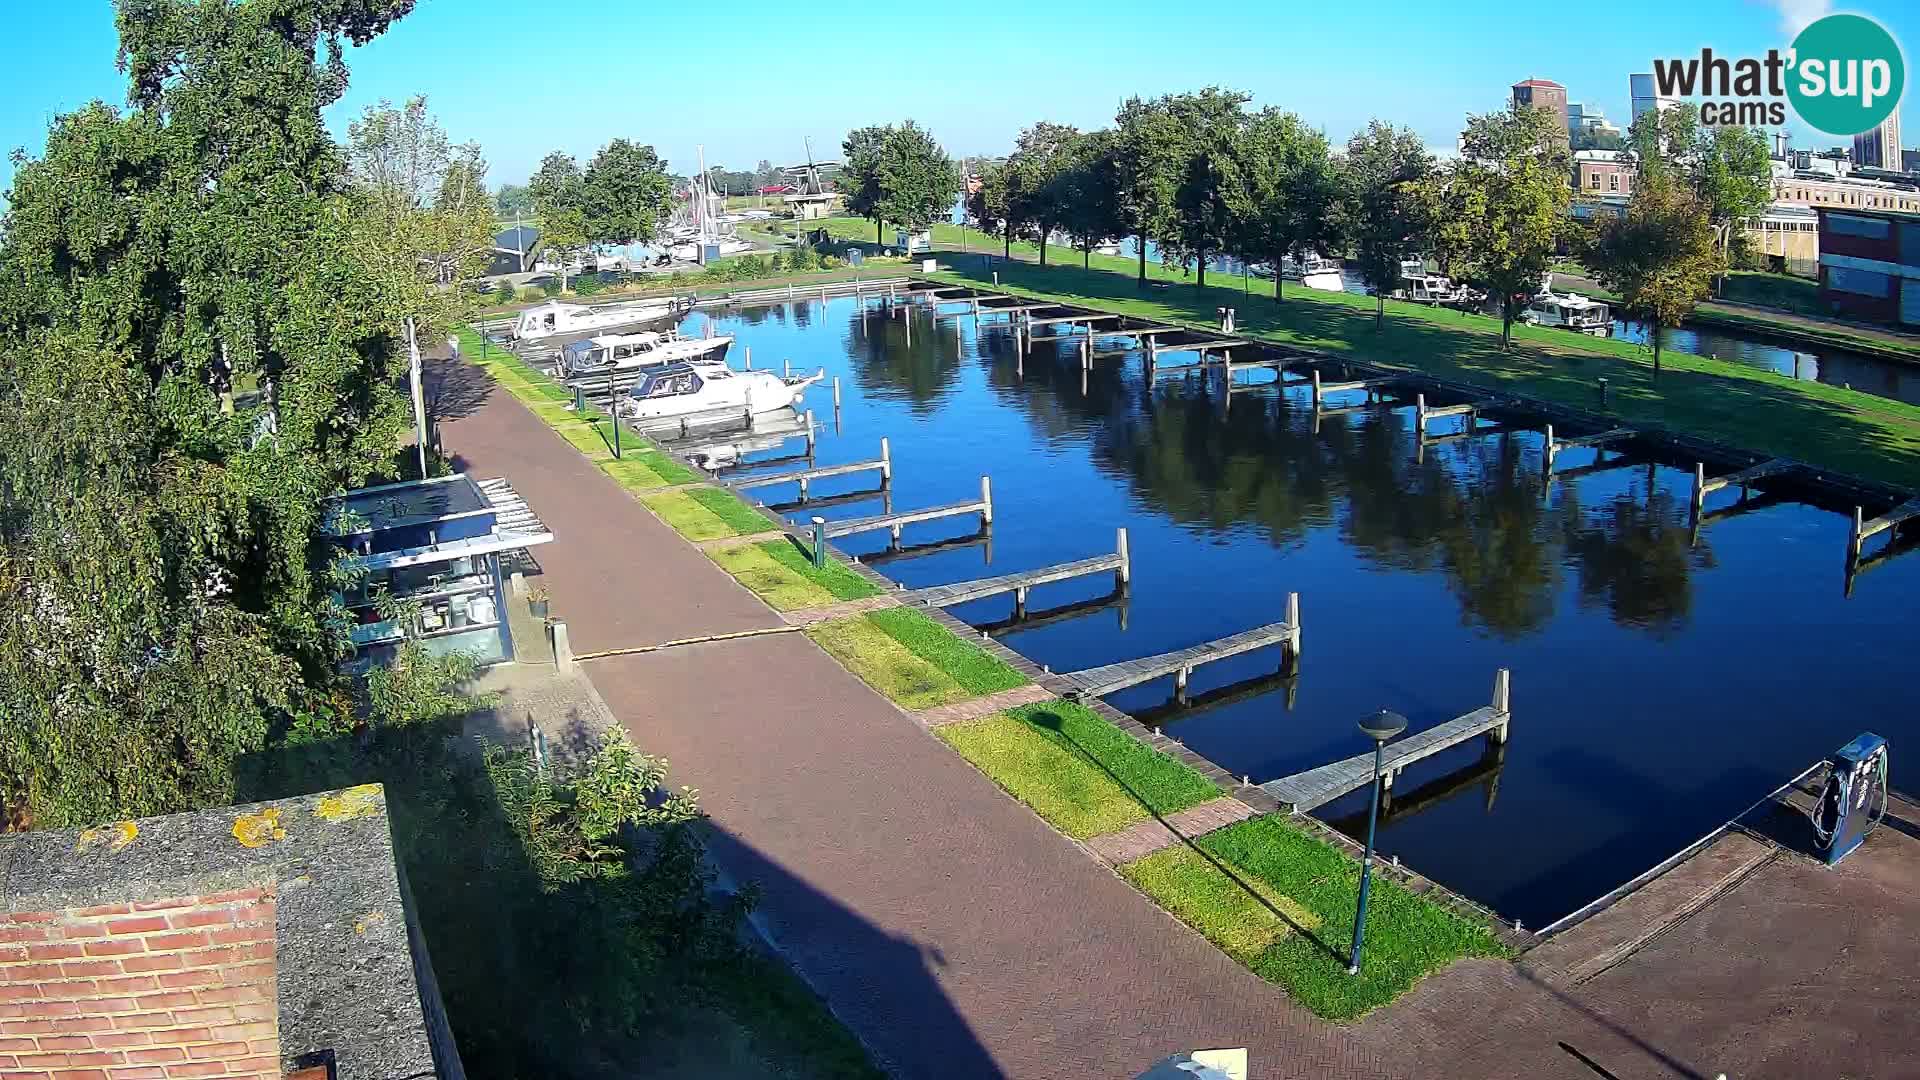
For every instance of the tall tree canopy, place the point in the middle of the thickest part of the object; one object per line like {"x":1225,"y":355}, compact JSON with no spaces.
{"x":1512,"y":183}
{"x":625,"y":194}
{"x":1383,"y":208}
{"x":863,"y":151}
{"x":1150,"y":164}
{"x":1288,"y":197}
{"x":1092,"y":211}
{"x":1208,"y":172}
{"x":1038,"y":181}
{"x":1660,"y":256}
{"x":162,"y":593}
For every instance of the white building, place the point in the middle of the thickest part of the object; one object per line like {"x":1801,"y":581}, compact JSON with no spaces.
{"x":1646,"y":96}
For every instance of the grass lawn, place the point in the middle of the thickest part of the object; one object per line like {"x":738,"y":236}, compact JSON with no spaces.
{"x":1310,"y":888}
{"x":641,"y":470}
{"x":706,"y":513}
{"x":1082,"y":774}
{"x":913,"y":660}
{"x":1768,"y":414}
{"x":786,"y":579}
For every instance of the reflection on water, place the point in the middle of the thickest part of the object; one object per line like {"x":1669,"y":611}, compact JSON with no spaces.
{"x":1661,"y":682}
{"x":1836,"y":367}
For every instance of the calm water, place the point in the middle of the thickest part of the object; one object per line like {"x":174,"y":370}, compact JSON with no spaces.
{"x":1886,"y":378}
{"x":1659,"y":686}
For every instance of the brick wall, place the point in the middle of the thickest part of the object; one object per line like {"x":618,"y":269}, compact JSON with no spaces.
{"x":142,"y":991}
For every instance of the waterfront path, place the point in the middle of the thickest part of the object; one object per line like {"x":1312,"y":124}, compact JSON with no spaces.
{"x":951,"y":929}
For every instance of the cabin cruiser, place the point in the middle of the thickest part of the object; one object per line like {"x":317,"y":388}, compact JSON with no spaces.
{"x":1420,"y":287}
{"x":1569,"y":312}
{"x":1314,"y":271}
{"x":728,"y":245}
{"x":554,"y":319}
{"x":625,"y":353}
{"x":681,"y":390}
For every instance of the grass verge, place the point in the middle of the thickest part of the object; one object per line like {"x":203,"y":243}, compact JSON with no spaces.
{"x":913,"y":660}
{"x":1310,"y":889}
{"x":786,"y":579}
{"x":706,"y":513}
{"x":646,"y":469}
{"x":1074,"y":769}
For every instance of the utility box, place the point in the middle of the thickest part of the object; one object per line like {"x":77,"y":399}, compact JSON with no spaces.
{"x":855,"y":257}
{"x":912,"y":242}
{"x":1855,"y":797}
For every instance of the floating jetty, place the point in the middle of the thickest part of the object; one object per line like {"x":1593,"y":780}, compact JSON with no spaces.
{"x":1304,"y":791}
{"x":1864,"y":530}
{"x":1424,"y":415}
{"x":1553,"y":447}
{"x":1372,"y":386}
{"x":962,"y":591}
{"x":1109,"y":678}
{"x":893,"y":523}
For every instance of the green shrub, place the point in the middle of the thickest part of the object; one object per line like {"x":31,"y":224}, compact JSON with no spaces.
{"x":550,"y":287}
{"x":777,"y":263}
{"x":587,"y":285}
{"x":504,"y":294}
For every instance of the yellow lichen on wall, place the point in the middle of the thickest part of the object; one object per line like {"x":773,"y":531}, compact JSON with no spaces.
{"x":259,"y":830}
{"x":113,"y":837}
{"x":350,"y":803}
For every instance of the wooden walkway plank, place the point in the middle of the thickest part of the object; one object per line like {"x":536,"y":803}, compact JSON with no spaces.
{"x":893,"y":522}
{"x":1109,"y":678}
{"x":1862,"y":530}
{"x":883,"y":463}
{"x":1322,"y":389}
{"x":960,"y":592}
{"x":1553,"y":446}
{"x":1303,"y":791}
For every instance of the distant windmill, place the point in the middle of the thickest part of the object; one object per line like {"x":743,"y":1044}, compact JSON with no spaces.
{"x":811,"y":198}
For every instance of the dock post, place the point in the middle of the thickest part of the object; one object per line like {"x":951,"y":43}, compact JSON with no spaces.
{"x":986,"y":500}
{"x":1126,"y":559}
{"x":579,"y":399}
{"x":1292,"y":658}
{"x":1020,"y":602}
{"x":1420,"y":414}
{"x":1699,"y":487}
{"x":1548,"y":453}
{"x":889,"y":292}
{"x":786,"y":367}
{"x":1859,"y":541}
{"x":1502,"y":703}
{"x":746,"y":355}
{"x":562,"y":646}
{"x":807,"y":419}
{"x":836,"y":393}
{"x":803,"y":489}
{"x":886,"y":462}
{"x":819,"y":542}
{"x":1180,"y":684}
{"x":1086,"y":352}
{"x":1316,"y":388}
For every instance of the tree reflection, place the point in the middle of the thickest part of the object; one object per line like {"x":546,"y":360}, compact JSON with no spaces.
{"x":1634,"y":555}
{"x":894,"y":361}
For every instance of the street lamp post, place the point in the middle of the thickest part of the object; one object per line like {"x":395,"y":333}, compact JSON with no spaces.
{"x":1381,"y":727}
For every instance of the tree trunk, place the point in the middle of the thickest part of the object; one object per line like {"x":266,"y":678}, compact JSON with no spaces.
{"x":1043,"y":244}
{"x":1379,"y":310}
{"x":1086,"y":256}
{"x":1202,"y":281}
{"x":418,"y":391}
{"x":1142,"y":239}
{"x":879,"y":237}
{"x":1277,"y":278}
{"x":1506,"y":321}
{"x":1658,"y":333}
{"x":1006,"y":237}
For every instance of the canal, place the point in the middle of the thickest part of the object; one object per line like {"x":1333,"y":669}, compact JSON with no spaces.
{"x":1660,"y":684}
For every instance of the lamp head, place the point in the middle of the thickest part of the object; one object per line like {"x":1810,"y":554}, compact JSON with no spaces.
{"x":1383,"y":725}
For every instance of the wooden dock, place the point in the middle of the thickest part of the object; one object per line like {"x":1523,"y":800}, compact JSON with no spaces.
{"x":1018,"y":584}
{"x":1553,"y":446}
{"x":1109,"y":678}
{"x":893,"y":523}
{"x":1704,"y":485}
{"x":1089,"y":318}
{"x":1863,"y":530}
{"x":1304,"y":791}
{"x":883,"y":464}
{"x":1424,"y":414}
{"x":1371,"y":386}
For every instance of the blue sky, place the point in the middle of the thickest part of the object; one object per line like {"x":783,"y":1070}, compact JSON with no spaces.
{"x":752,"y":80}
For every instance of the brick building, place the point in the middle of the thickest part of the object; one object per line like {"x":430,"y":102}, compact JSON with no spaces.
{"x":1602,"y":172}
{"x":1545,"y":95}
{"x":255,"y":941}
{"x":1870,"y":264}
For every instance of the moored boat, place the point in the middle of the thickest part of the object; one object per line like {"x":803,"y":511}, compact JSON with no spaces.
{"x":624,"y":354}
{"x":684,"y":390}
{"x":555,"y":319}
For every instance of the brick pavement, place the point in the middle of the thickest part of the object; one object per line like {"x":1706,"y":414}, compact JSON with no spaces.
{"x":1144,"y":838}
{"x":975,"y":708}
{"x":953,"y":931}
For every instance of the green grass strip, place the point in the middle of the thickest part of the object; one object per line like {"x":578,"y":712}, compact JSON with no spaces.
{"x":686,"y":516}
{"x":1074,"y":795}
{"x":1314,"y":887}
{"x":969,"y":665}
{"x":644,"y":470}
{"x":1162,"y":784}
{"x":593,"y":438}
{"x":729,"y":508}
{"x":907,"y":679}
{"x":783,"y":576}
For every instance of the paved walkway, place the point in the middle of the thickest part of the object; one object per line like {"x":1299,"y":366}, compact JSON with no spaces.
{"x":953,"y":931}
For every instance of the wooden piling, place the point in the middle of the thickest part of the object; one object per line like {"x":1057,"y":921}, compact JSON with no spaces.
{"x":1316,"y":387}
{"x":807,"y":419}
{"x":1293,"y":620}
{"x":1420,"y":414}
{"x":836,"y":393}
{"x":1550,"y":451}
{"x":746,"y":355}
{"x":886,"y":462}
{"x":786,"y":367}
{"x":1699,"y":487}
{"x":1125,"y":572}
{"x":1859,"y":538}
{"x":986,"y":500}
{"x":1502,"y":704}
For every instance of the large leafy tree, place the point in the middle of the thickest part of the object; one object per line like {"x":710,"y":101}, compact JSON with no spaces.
{"x":1092,"y":211}
{"x":625,"y":194}
{"x":863,"y":151}
{"x":918,"y":183}
{"x":162,"y":591}
{"x":1383,"y":208}
{"x":1288,"y":198}
{"x":1039,"y":187}
{"x":1208,"y":165}
{"x":1660,"y":256}
{"x":990,"y":205}
{"x":559,"y":192}
{"x":1728,"y":169}
{"x":1150,"y":159}
{"x":1512,"y":184}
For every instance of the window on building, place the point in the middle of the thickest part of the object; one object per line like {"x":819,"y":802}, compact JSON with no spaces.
{"x":1613,"y":181}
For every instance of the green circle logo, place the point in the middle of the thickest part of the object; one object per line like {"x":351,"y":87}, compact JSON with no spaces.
{"x":1847,"y":74}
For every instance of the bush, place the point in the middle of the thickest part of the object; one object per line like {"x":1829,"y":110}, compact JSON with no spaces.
{"x":504,"y":294}
{"x":777,"y":263}
{"x":587,"y":285}
{"x":550,"y":287}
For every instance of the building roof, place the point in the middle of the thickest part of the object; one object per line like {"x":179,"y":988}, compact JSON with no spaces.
{"x":262,"y":938}
{"x":1540,"y":82}
{"x":775,"y":189}
{"x":519,"y":240}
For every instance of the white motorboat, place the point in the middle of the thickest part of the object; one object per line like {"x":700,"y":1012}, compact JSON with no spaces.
{"x":1419,"y":286}
{"x":623,"y":354}
{"x":728,"y":245}
{"x":1314,"y":271}
{"x":1109,"y":248}
{"x":1569,"y":312}
{"x":554,"y":319}
{"x":684,"y":390}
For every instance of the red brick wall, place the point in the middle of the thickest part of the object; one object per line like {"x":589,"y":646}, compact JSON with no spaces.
{"x":142,"y":991}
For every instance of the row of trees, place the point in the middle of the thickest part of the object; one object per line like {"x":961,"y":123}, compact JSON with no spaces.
{"x":897,"y":173}
{"x":620,"y":198}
